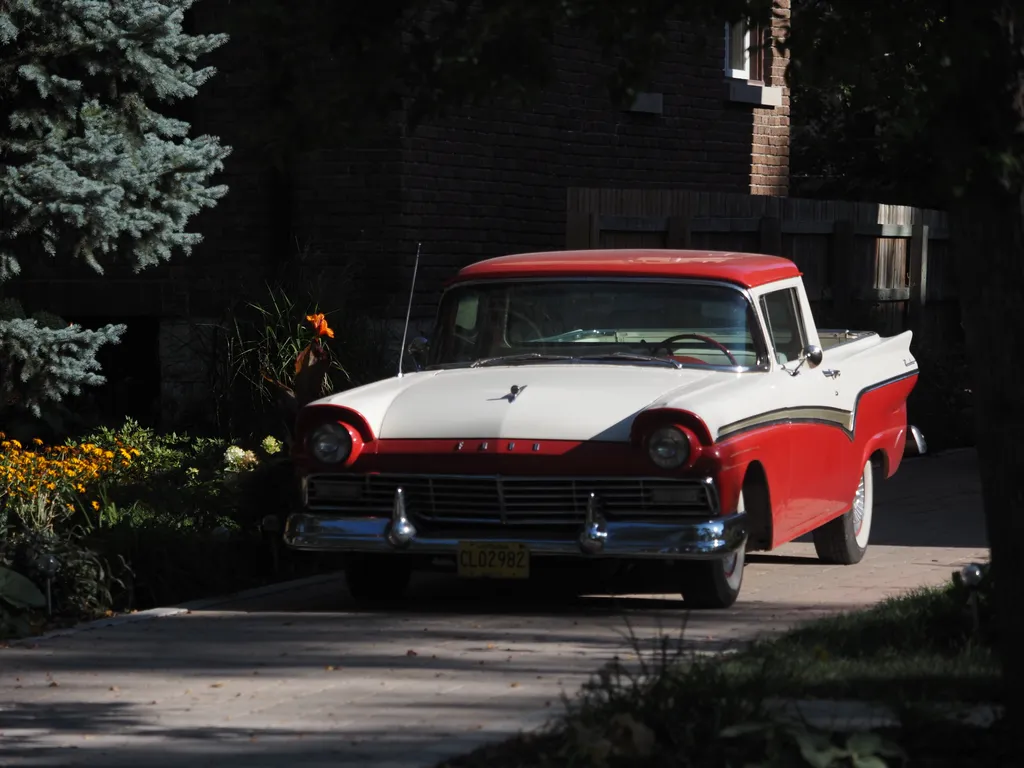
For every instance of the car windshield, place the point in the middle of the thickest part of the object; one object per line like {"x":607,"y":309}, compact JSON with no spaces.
{"x":621,"y":321}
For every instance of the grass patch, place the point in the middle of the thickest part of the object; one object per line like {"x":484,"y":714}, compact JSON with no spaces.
{"x":917,"y":647}
{"x":674,"y":708}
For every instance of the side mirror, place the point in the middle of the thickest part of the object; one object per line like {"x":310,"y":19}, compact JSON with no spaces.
{"x":813,"y":354}
{"x":417,"y":350}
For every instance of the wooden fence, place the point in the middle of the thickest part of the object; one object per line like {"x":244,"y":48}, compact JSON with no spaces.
{"x":884,"y":267}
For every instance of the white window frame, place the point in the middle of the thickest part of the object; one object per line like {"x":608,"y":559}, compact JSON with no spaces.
{"x":730,"y":71}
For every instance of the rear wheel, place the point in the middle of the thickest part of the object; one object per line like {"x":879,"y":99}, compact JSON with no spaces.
{"x":381,"y":578}
{"x":844,"y":541}
{"x":710,"y":584}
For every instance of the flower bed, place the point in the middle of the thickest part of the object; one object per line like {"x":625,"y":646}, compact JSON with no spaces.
{"x":127,"y":519}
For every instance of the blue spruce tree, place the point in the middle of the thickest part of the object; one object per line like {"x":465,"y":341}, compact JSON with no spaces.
{"x":89,"y":169}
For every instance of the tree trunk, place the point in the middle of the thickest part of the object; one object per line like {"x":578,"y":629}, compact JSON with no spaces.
{"x":987,"y":238}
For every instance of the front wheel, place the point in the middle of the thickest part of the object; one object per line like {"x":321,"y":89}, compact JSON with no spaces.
{"x":711,"y":584}
{"x":379,"y":578}
{"x":844,"y":541}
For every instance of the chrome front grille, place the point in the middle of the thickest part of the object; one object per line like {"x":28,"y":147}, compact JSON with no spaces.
{"x":499,"y":500}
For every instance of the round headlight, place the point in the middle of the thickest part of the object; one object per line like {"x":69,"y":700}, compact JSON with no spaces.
{"x":330,"y":443}
{"x":668,"y":447}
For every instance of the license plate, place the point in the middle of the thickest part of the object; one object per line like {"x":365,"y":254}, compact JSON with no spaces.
{"x":482,"y":560}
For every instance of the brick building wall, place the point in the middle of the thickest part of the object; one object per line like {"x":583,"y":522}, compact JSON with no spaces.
{"x":482,"y":182}
{"x":490,"y":181}
{"x":769,"y":173}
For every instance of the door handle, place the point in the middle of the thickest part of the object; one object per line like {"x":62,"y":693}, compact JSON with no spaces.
{"x":831,"y":373}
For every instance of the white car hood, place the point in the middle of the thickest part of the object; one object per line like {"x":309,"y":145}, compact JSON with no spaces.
{"x":556,"y":402}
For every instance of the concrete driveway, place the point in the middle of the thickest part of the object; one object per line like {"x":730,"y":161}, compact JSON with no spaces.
{"x":299,"y":678}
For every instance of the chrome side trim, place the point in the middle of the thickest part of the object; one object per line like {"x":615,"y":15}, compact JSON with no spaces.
{"x":833,"y":417}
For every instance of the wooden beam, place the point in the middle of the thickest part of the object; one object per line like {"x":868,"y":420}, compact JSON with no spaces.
{"x":726,"y":224}
{"x":633,"y":223}
{"x":808,"y":227}
{"x":919,"y":266}
{"x":883,"y":294}
{"x":881,"y":230}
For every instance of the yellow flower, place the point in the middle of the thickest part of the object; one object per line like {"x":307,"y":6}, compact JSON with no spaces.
{"x":37,"y":441}
{"x":96,"y":505}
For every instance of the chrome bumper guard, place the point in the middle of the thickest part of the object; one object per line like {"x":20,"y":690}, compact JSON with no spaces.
{"x":701,"y":539}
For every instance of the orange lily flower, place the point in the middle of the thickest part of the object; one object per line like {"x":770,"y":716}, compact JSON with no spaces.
{"x":320,"y":325}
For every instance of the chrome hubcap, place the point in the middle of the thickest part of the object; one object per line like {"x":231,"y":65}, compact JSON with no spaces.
{"x":859,"y":505}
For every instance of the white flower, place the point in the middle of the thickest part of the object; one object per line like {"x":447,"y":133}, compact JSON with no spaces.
{"x":237,"y":459}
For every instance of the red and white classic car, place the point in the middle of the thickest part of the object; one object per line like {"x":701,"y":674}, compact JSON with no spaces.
{"x":627,"y":404}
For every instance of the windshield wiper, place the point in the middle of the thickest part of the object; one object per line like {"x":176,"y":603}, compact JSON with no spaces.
{"x":633,"y":356}
{"x":513,"y":359}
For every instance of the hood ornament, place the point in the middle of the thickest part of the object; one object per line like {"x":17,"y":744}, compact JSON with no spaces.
{"x":514,"y":392}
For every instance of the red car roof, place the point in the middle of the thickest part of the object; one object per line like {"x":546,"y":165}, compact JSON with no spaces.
{"x":747,"y":269}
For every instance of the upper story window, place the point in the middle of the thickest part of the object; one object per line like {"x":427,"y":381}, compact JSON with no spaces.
{"x":746,"y":51}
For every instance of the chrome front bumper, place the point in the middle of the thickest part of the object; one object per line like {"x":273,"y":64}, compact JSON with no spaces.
{"x":689,"y":539}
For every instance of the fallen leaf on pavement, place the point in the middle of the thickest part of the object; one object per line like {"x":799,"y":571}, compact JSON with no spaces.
{"x":514,"y":685}
{"x":217,"y":685}
{"x":54,"y":684}
{"x":114,"y":688}
{"x":411,"y":653}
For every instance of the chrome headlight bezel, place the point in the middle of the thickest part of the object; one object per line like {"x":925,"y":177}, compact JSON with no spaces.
{"x":330,"y":443}
{"x":668,"y":447}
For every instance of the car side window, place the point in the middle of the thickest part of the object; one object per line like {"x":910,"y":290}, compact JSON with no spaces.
{"x":780,"y":309}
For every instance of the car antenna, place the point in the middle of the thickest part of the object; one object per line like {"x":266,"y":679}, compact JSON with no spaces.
{"x":408,"y":309}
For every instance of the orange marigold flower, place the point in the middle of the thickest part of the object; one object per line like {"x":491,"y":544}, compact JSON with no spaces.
{"x":319,"y":323}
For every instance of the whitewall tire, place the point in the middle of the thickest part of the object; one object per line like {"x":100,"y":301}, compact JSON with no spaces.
{"x":710,"y":584}
{"x":844,"y":541}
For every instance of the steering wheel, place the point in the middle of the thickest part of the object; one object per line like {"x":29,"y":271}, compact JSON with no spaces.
{"x":667,"y":345}
{"x":513,"y":314}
